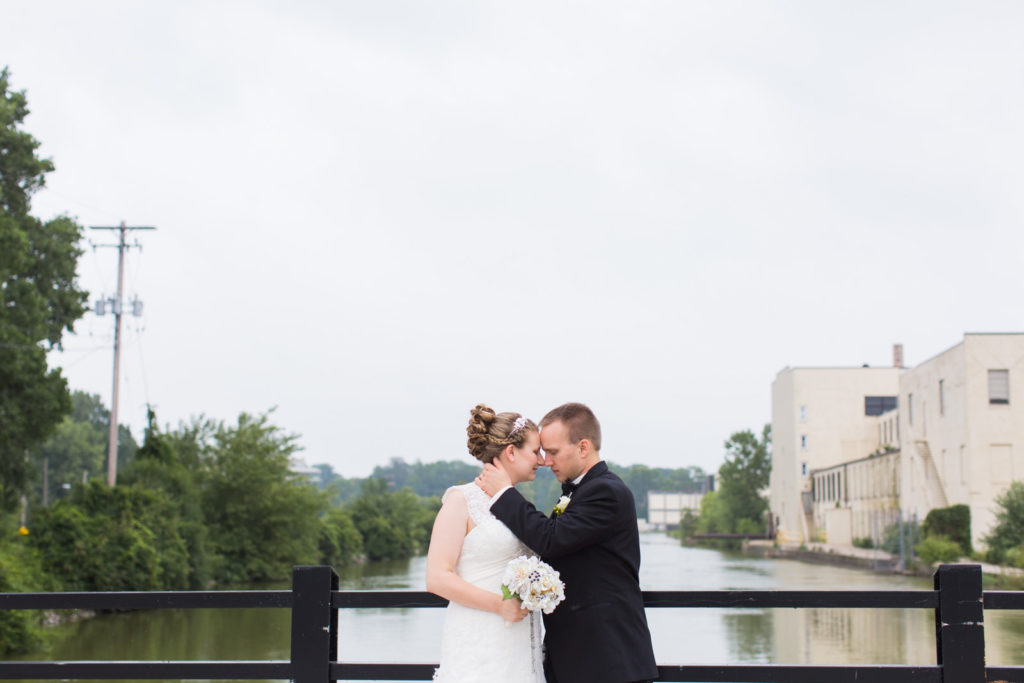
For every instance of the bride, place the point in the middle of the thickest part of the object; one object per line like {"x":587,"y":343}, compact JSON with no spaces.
{"x":485,"y":638}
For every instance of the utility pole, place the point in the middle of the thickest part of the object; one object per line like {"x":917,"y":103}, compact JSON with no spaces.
{"x":115,"y":305}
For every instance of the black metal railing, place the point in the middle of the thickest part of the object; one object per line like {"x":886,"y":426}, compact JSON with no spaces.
{"x":957,"y":600}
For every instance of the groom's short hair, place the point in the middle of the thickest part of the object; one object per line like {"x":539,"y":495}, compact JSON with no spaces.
{"x":579,"y":420}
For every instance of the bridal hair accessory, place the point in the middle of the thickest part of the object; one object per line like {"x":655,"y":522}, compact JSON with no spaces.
{"x":533,"y":582}
{"x":517,"y":426}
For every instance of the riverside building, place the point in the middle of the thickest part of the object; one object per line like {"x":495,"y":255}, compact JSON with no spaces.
{"x":855,"y":447}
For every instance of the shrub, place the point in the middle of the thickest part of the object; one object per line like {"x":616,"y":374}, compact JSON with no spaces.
{"x":938,"y":549}
{"x":1015,"y":557}
{"x":119,"y":538}
{"x":863,"y":542}
{"x":20,"y":630}
{"x":340,"y":542}
{"x":953,"y":522}
{"x":1008,"y":533}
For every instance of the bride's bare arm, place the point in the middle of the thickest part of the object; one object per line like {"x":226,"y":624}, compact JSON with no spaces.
{"x":445,"y":546}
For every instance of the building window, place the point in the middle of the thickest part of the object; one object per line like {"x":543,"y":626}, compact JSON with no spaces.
{"x":942,"y":397}
{"x":803,"y":469}
{"x":876,"y":405}
{"x":999,"y":386}
{"x":803,"y":442}
{"x":910,"y":408}
{"x":803,"y":413}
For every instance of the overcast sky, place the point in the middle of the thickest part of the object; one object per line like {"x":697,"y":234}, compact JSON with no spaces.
{"x":374,"y":215}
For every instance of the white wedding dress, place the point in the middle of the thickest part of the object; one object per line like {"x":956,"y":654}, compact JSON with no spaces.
{"x":481,"y":646}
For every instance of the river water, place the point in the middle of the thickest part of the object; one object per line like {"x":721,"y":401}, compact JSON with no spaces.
{"x":681,"y":636}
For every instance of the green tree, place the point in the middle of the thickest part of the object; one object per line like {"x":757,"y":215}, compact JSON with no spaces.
{"x":395,"y":524}
{"x":112,"y":538}
{"x":714,"y":516}
{"x":77,"y":450}
{"x":21,"y":572}
{"x":738,"y":507}
{"x":340,"y":542}
{"x":425,"y":479}
{"x":158,"y":467}
{"x":39,"y":299}
{"x":743,"y":476}
{"x":1008,"y":533}
{"x":261,"y":519}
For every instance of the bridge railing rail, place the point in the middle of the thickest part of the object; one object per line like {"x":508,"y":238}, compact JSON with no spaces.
{"x":957,"y":600}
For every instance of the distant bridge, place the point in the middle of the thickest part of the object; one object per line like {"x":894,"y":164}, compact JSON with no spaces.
{"x":747,"y":537}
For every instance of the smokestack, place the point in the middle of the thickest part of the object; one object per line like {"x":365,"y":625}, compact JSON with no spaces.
{"x":897,"y":355}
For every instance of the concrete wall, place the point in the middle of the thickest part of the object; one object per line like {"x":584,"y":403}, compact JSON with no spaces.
{"x":959,"y":447}
{"x":863,"y":495}
{"x":818,"y":421}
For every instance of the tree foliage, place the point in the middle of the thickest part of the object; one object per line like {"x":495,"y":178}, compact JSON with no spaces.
{"x":425,"y":479}
{"x":340,"y":542}
{"x":112,"y":538}
{"x":76,"y":452}
{"x":21,"y":572}
{"x":158,"y":467}
{"x":738,"y":506}
{"x":262,"y":520}
{"x":39,"y":299}
{"x":1007,"y":536}
{"x":431,"y":479}
{"x":393,"y":524}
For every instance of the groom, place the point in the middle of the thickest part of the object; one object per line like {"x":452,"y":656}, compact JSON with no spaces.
{"x":599,"y":634}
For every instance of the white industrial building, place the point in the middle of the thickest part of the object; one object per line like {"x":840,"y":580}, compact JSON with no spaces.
{"x":665,"y":508}
{"x":855,"y":445}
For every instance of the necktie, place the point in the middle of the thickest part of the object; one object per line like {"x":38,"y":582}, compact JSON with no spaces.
{"x":567,"y":488}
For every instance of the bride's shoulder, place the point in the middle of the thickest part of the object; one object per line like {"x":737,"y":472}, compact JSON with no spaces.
{"x":466,"y":492}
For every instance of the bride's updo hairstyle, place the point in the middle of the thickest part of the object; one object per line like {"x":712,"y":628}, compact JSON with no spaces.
{"x":490,"y":432}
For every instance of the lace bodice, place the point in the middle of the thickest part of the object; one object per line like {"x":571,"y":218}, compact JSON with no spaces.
{"x":478,"y":502}
{"x":476,"y":645}
{"x":489,"y":545}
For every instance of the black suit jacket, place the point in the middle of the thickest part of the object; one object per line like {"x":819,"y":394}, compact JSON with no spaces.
{"x":599,"y":633}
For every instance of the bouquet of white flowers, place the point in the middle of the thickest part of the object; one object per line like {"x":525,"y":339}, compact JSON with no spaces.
{"x":535,"y":583}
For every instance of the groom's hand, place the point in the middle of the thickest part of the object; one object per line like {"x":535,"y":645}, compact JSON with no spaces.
{"x":492,"y":480}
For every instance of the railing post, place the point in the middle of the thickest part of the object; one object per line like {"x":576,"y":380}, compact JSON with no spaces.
{"x":959,"y":623}
{"x":314,"y":624}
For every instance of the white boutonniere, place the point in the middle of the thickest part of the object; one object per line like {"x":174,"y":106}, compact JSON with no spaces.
{"x":560,"y":506}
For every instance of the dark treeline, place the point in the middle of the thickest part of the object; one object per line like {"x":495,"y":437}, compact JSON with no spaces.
{"x":431,"y":479}
{"x":206,"y":504}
